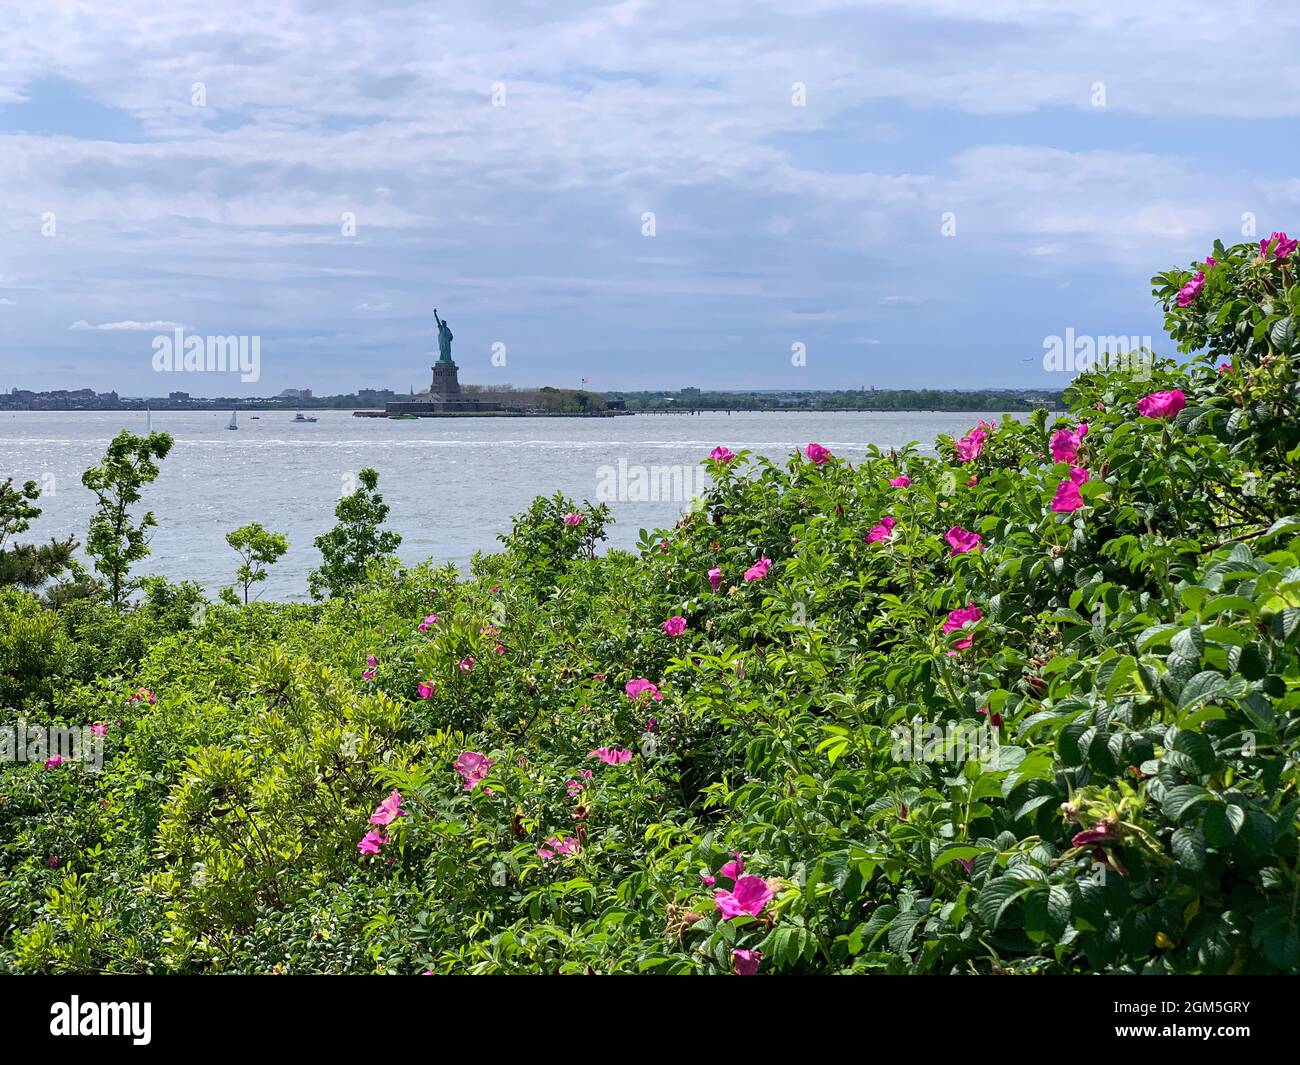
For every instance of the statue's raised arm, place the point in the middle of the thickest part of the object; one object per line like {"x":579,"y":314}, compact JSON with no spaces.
{"x":444,"y":338}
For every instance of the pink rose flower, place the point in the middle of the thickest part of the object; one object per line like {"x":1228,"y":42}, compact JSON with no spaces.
{"x":962,"y":540}
{"x":635,"y":688}
{"x":473,"y":767}
{"x":901,"y":481}
{"x":426,"y":688}
{"x":722,"y":454}
{"x":1282,"y":246}
{"x":818,"y":455}
{"x":746,"y":962}
{"x":1101,"y":832}
{"x":750,"y":896}
{"x":959,"y":619}
{"x":611,"y":755}
{"x":970,"y":445}
{"x":389,"y":810}
{"x":1067,"y":498}
{"x":1191,"y":290}
{"x":371,"y":842}
{"x":573,"y":518}
{"x":715,"y":578}
{"x":883,"y":531}
{"x":556,"y":847}
{"x":1066,"y":443}
{"x":675,"y":625}
{"x":735,"y":868}
{"x":759,"y":569}
{"x":1162,"y":404}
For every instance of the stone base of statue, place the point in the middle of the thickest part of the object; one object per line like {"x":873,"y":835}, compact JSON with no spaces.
{"x":444,"y":397}
{"x":445,"y":382}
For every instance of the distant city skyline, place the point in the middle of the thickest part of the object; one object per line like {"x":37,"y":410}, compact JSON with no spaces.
{"x":822,"y":195}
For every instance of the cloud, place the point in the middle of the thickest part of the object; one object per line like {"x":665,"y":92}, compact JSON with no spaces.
{"x":523,"y":222}
{"x":129,"y":326}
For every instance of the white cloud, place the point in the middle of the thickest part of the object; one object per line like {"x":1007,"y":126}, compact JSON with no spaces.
{"x":129,"y":326}
{"x":524,"y":221}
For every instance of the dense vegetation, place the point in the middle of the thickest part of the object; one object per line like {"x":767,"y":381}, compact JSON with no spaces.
{"x":1026,"y":706}
{"x":990,"y":400}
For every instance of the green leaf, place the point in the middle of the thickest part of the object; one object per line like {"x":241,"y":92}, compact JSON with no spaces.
{"x":1188,"y":845}
{"x":1179,"y":799}
{"x":994,"y":898}
{"x":964,"y":852}
{"x":903,"y":928}
{"x":1205,"y":687}
{"x":1196,"y":747}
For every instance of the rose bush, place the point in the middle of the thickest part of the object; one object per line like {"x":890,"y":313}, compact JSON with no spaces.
{"x":1026,"y":705}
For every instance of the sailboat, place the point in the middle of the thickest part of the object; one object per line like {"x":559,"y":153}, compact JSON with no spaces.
{"x":233,"y":424}
{"x":148,"y":420}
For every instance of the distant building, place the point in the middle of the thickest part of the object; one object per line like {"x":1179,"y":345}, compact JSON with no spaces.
{"x":178,"y":397}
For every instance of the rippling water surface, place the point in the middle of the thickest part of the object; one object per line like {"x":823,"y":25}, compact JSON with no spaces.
{"x":452,"y":484}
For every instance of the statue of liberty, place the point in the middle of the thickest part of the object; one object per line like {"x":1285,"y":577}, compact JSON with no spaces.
{"x":444,"y":338}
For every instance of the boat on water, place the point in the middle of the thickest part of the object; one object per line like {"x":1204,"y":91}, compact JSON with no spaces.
{"x":233,"y":424}
{"x":299,"y":418}
{"x":404,"y":418}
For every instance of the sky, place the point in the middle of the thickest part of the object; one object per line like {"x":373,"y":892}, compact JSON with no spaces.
{"x":733,"y":194}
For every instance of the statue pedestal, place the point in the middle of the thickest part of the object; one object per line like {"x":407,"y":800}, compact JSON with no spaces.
{"x":445,"y":382}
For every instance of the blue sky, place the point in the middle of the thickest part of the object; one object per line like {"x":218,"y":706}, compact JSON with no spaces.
{"x":194,"y":164}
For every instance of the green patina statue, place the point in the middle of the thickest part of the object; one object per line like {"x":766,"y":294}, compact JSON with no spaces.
{"x":444,"y":338}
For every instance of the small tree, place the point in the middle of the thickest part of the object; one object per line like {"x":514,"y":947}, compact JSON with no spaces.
{"x":355,"y":541}
{"x":27,"y":565}
{"x":16,"y":510}
{"x":257,"y":548}
{"x":115,"y":542}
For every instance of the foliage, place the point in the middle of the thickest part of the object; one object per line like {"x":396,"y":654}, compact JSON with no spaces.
{"x":115,"y":542}
{"x":356,"y":541}
{"x":257,"y":548}
{"x":1091,"y":768}
{"x":27,"y":565}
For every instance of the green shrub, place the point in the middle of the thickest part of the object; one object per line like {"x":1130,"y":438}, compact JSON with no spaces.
{"x":1072,"y":749}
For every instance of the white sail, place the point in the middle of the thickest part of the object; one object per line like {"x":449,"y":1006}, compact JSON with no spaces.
{"x":233,"y":424}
